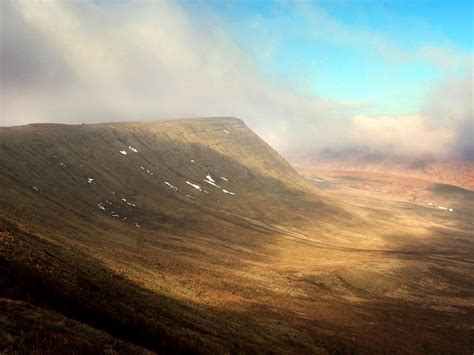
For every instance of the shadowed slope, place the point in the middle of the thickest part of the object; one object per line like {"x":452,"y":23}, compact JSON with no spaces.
{"x":142,"y":199}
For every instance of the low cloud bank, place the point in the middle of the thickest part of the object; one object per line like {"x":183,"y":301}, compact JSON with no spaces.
{"x":443,"y":128}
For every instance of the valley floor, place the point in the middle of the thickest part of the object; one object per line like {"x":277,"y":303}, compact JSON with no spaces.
{"x":404,"y":283}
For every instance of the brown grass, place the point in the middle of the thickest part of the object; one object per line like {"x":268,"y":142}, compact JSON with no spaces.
{"x":285,"y":265}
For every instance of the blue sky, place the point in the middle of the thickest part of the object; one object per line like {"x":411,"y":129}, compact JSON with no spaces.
{"x":389,"y":75}
{"x":385,"y":55}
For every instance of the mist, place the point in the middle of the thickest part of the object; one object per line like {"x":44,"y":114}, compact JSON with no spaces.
{"x":89,"y":62}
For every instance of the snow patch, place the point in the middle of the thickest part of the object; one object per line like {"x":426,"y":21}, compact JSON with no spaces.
{"x":226,"y":131}
{"x":123,"y":152}
{"x":103,"y":205}
{"x":442,"y":208}
{"x":35,"y":188}
{"x":225,"y":179}
{"x":211,"y":183}
{"x":171,"y":186}
{"x":228,"y":192}
{"x":128,"y":203}
{"x":197,"y":187}
{"x":133,"y":149}
{"x":90,"y":180}
{"x":209,"y":177}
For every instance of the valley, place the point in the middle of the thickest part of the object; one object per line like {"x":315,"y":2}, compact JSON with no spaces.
{"x":194,"y":235}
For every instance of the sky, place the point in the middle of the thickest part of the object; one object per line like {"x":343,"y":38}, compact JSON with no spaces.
{"x":387,"y":76}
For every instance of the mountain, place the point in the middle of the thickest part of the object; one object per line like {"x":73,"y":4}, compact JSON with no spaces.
{"x":194,"y":235}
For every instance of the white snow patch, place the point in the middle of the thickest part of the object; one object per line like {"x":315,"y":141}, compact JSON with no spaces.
{"x":228,"y":192}
{"x":209,"y":177}
{"x":115,"y":215}
{"x":104,"y":208}
{"x":225,"y":179}
{"x":137,"y":225}
{"x":123,"y":152}
{"x":192,"y":161}
{"x":35,"y":188}
{"x":450,"y":210}
{"x":318,"y":180}
{"x":149,"y":172}
{"x":442,"y":208}
{"x":429,"y":203}
{"x":141,"y":167}
{"x":128,"y":203}
{"x":132,"y":149}
{"x":197,"y":187}
{"x":171,"y":186}
{"x":212,"y":183}
{"x":226,"y":131}
{"x":192,"y":198}
{"x":63,"y":165}
{"x":90,"y":180}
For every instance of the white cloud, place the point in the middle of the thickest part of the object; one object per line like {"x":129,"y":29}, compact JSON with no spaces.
{"x":84,"y":61}
{"x":137,"y":61}
{"x":401,"y":135}
{"x":443,"y":127}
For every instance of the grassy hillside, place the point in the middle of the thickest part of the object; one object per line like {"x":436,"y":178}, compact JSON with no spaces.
{"x":196,"y":236}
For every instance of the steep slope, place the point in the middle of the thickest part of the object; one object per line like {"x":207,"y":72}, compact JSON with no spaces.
{"x":150,"y":202}
{"x":142,"y":174}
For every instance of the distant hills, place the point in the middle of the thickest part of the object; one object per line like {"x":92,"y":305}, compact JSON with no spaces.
{"x":455,"y":171}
